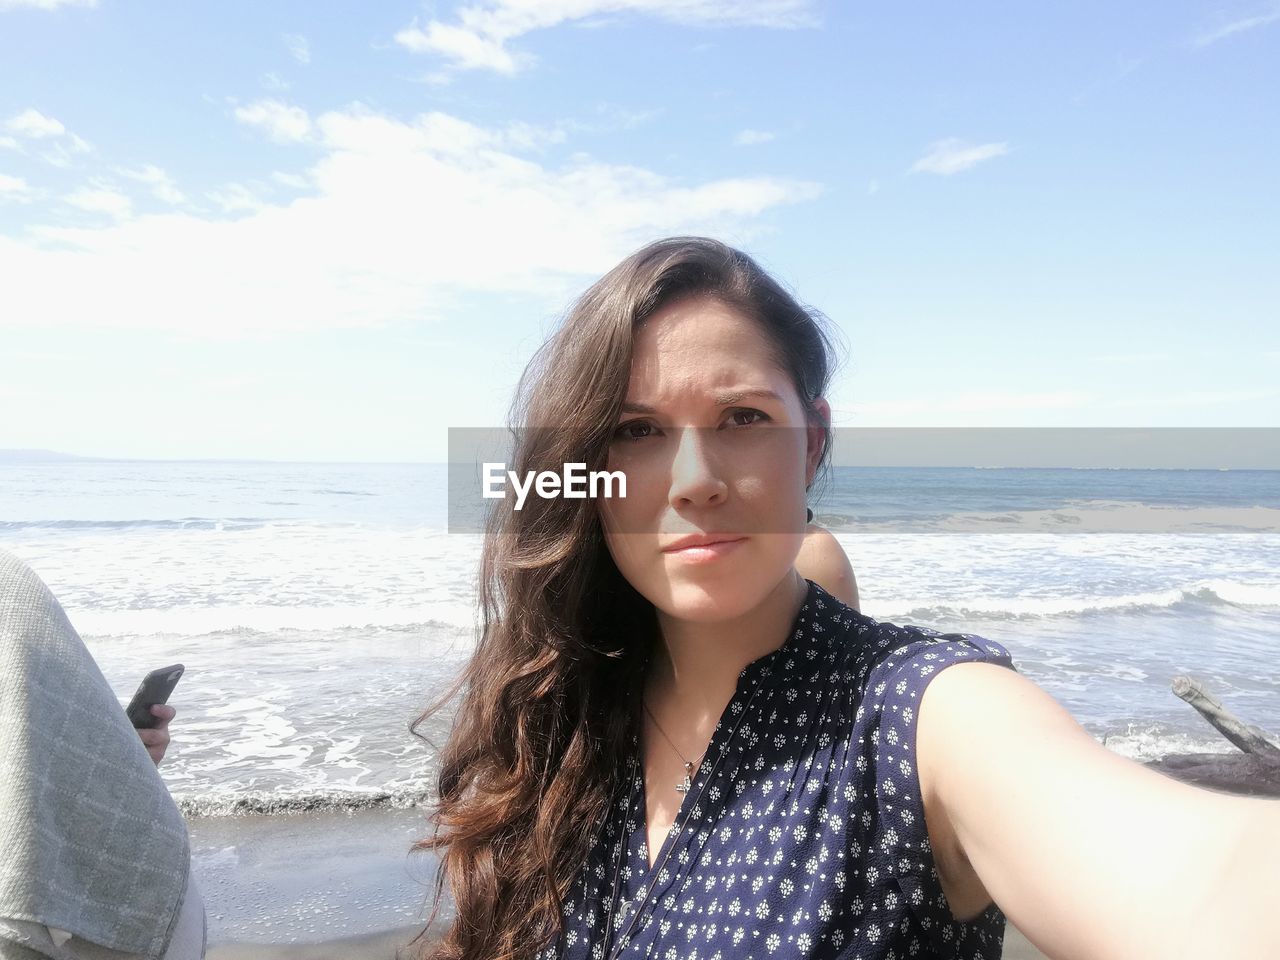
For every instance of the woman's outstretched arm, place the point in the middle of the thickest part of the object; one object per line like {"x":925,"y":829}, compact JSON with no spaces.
{"x":1091,"y":855}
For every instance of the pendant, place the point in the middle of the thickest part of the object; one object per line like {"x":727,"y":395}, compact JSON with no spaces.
{"x":684,"y":785}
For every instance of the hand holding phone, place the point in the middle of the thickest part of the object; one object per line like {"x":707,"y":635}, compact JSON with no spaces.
{"x":155,"y":688}
{"x":156,"y":739}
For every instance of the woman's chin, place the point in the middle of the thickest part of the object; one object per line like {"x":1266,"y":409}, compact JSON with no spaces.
{"x":707,"y":599}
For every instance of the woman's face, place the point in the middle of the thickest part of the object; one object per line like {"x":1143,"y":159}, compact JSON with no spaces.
{"x":713,"y":441}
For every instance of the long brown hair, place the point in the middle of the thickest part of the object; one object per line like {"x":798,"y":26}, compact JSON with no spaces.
{"x":551,"y":692}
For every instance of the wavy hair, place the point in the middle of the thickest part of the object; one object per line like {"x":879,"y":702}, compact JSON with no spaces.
{"x":551,"y":692}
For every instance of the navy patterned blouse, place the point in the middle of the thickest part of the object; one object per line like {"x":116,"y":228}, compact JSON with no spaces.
{"x":803,"y":832}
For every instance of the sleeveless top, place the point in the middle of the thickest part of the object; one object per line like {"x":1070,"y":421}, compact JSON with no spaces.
{"x":803,"y":832}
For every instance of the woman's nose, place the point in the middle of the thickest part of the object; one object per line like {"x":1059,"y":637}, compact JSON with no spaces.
{"x":695,"y":471}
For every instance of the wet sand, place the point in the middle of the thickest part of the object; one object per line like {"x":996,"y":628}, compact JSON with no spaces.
{"x":311,"y":877}
{"x":374,"y":946}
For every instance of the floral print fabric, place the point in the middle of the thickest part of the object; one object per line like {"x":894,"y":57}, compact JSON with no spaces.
{"x":803,"y":834}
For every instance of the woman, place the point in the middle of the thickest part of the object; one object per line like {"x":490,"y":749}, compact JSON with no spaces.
{"x":670,"y":744}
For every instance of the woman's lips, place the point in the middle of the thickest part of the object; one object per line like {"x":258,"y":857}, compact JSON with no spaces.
{"x":706,"y":552}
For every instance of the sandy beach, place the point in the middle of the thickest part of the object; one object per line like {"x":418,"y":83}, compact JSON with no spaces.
{"x":331,"y":885}
{"x":310,"y":878}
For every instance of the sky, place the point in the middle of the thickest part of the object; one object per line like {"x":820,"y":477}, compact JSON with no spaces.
{"x":331,"y":231}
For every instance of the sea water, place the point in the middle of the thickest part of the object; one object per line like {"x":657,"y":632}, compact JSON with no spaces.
{"x":318,"y":608}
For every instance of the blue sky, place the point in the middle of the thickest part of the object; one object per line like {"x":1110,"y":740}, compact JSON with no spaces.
{"x":330,"y":231}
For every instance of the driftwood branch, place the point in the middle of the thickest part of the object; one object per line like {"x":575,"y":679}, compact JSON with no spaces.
{"x":1247,"y":737}
{"x":1255,"y":772}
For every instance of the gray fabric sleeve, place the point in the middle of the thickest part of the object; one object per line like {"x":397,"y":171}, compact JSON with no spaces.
{"x":90,"y":840}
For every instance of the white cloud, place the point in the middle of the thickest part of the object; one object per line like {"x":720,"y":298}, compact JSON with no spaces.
{"x":614,"y":117}
{"x":479,"y":40}
{"x":280,"y":121}
{"x":953,"y":156}
{"x":57,"y":144}
{"x":161,"y":184}
{"x":101,"y":199}
{"x":299,"y":48}
{"x":292,"y":180}
{"x":63,"y":152}
{"x":468,"y":49}
{"x":1130,"y":359}
{"x":237,"y":198}
{"x":750,"y":137}
{"x":1197,"y":398}
{"x":1194,"y":398}
{"x":13,"y":188}
{"x":530,"y":136}
{"x":436,"y":78}
{"x":975,"y":401}
{"x":45,"y":4}
{"x":402,"y":217}
{"x":609,"y":118}
{"x":1049,"y":407}
{"x":34,"y":125}
{"x":1263,"y":19}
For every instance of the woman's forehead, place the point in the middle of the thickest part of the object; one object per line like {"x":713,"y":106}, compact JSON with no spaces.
{"x":716,"y":379}
{"x":705,"y":350}
{"x":694,"y":318}
{"x":701,"y":333}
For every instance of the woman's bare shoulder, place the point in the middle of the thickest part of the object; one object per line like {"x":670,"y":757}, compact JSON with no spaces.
{"x":823,"y":560}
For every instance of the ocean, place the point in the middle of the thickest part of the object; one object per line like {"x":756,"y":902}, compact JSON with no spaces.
{"x":319,"y":607}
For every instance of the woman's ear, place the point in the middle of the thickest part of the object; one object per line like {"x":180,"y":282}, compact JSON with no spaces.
{"x":817,"y":439}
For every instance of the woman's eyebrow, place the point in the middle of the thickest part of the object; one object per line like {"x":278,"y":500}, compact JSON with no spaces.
{"x":722,"y":400}
{"x":736,"y":395}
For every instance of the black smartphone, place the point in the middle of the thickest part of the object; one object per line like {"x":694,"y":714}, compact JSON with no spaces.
{"x":155,"y":688}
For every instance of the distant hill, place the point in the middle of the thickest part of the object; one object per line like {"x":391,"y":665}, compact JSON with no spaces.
{"x":36,"y":456}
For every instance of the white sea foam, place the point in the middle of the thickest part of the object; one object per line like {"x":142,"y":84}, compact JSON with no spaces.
{"x":1153,"y":742}
{"x":1211,"y":592}
{"x":319,"y":608}
{"x":201,"y":621}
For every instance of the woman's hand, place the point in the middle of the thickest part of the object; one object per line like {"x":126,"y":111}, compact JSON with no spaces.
{"x":156,"y":739}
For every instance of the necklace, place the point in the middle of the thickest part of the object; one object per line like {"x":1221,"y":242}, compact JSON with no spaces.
{"x":689,"y":765}
{"x":651,"y":878}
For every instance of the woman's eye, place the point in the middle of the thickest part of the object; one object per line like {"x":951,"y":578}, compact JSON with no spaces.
{"x":641,"y":429}
{"x":629,"y":431}
{"x":751,"y":414}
